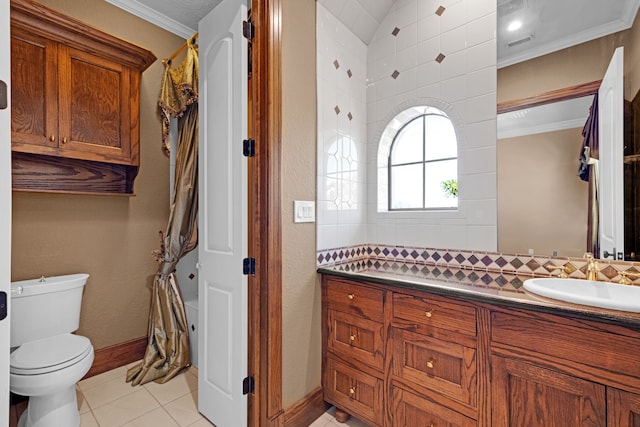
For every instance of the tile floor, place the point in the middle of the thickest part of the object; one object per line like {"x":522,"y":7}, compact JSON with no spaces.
{"x":106,"y":400}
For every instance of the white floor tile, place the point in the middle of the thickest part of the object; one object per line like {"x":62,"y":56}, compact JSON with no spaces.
{"x":185,"y":409}
{"x":156,"y":418}
{"x":108,"y":391}
{"x":99,"y":379}
{"x":88,"y":420}
{"x":125,"y":409}
{"x":182,"y":384}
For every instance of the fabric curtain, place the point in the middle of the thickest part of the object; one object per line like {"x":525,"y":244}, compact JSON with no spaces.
{"x":168,"y":335}
{"x":588,"y":171}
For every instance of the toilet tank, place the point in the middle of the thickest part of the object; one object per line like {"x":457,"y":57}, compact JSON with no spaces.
{"x":45,"y":307}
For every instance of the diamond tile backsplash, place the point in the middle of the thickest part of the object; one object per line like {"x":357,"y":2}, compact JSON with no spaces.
{"x":493,"y":269}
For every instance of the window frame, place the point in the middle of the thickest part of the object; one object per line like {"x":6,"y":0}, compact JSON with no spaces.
{"x":422,"y":162}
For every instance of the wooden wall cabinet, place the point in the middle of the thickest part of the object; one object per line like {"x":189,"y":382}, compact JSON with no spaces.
{"x":75,"y":104}
{"x":400,"y":357}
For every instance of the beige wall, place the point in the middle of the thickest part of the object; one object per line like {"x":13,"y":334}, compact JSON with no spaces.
{"x":109,"y":237}
{"x":301,"y":341}
{"x":541,"y":202}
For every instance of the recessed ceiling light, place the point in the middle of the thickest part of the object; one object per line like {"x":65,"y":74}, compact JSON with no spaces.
{"x":514,"y":25}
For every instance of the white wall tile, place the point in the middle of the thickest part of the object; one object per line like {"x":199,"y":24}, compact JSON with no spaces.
{"x":430,"y":91}
{"x":479,"y":8}
{"x":454,"y":16}
{"x":481,"y":82}
{"x":481,"y":160}
{"x":484,"y":238}
{"x":428,"y":27}
{"x":407,"y":37}
{"x":428,"y":50}
{"x":481,"y":134}
{"x":454,"y":89}
{"x":407,"y":58}
{"x":454,"y":40}
{"x":481,"y":56}
{"x":480,"y":212}
{"x":480,"y":108}
{"x":478,"y":186}
{"x":455,"y":64}
{"x":482,"y":29}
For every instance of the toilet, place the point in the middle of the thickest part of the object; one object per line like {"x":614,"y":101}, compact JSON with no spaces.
{"x":47,"y":360}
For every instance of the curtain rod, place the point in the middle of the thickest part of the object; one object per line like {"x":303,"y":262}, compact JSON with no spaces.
{"x":180,"y":49}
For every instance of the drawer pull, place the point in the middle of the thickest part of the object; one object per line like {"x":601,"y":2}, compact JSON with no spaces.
{"x":65,"y":140}
{"x":351,"y":296}
{"x":430,"y":364}
{"x":352,"y":391}
{"x":52,"y":138}
{"x":352,"y":337}
{"x":428,"y":314}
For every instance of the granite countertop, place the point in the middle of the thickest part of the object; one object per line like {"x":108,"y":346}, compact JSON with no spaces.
{"x":503,"y":289}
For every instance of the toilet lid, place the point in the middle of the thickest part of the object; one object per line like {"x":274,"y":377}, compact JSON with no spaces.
{"x":49,"y":354}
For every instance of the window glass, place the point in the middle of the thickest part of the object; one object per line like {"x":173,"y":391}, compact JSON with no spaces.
{"x":423,"y":164}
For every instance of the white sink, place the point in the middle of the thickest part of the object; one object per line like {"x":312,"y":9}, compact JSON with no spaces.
{"x":587,"y":292}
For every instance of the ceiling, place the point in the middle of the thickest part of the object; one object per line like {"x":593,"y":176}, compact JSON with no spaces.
{"x":548,"y":25}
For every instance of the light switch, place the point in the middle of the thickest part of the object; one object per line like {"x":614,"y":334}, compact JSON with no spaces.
{"x":304,"y":211}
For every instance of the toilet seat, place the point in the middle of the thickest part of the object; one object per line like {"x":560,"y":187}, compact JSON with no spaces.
{"x":49,"y":354}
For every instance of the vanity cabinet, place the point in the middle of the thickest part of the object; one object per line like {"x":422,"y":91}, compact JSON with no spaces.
{"x":406,"y":357}
{"x":75,"y":102}
{"x":354,"y":349}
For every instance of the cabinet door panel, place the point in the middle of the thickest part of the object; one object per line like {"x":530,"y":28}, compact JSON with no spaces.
{"x":354,"y":392}
{"x":623,"y":408}
{"x":528,"y":395}
{"x":410,"y":410}
{"x":34,"y":118}
{"x":94,"y":107}
{"x":442,"y":366}
{"x":356,"y":338}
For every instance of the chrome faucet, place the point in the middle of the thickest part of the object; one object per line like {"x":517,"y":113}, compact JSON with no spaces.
{"x":592,"y":267}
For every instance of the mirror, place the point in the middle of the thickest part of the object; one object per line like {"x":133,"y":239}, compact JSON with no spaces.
{"x":542,"y":204}
{"x":364,"y":77}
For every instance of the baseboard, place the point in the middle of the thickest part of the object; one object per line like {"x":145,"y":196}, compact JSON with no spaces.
{"x":307,"y":410}
{"x":117,"y":355}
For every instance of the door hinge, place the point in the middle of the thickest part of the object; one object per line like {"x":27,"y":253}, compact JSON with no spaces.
{"x":249,"y":266}
{"x":247,"y":29}
{"x":4,"y":102}
{"x":249,"y":148}
{"x":248,"y":385}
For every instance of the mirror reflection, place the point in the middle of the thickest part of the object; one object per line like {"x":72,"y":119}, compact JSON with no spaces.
{"x":547,"y":53}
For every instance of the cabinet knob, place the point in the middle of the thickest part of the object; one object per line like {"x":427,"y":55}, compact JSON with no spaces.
{"x":352,"y":391}
{"x":352,"y":337}
{"x":430,"y":364}
{"x":52,"y":138}
{"x":351,"y":296}
{"x":64,"y":140}
{"x":428,"y":314}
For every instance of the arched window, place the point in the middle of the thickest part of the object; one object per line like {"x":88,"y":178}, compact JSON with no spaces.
{"x":423,"y":163}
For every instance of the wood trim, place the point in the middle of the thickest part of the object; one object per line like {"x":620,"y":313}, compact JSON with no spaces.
{"x":307,"y":410}
{"x":265,"y":242}
{"x":117,"y":355}
{"x":563,"y":94}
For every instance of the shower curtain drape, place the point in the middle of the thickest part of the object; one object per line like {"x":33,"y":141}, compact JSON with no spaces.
{"x":168,"y":346}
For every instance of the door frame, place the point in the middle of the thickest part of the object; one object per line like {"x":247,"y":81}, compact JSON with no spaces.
{"x":265,"y":224}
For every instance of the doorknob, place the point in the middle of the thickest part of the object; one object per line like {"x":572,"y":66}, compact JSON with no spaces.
{"x":3,"y":305}
{"x":608,"y":254}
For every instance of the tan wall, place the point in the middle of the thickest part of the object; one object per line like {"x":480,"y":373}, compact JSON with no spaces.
{"x":111,"y":238}
{"x":301,"y":341}
{"x":541,"y":202}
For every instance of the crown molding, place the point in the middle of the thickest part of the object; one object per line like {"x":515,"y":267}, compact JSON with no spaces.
{"x":163,"y":21}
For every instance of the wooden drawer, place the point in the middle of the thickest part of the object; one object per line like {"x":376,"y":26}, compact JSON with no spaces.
{"x":410,"y":410}
{"x":355,"y":299}
{"x":352,"y":391}
{"x":356,"y":338}
{"x":434,"y":312}
{"x":606,"y":355}
{"x":445,"y":367}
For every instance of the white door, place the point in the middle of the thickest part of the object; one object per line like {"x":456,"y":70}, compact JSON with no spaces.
{"x":610,"y":165}
{"x":5,"y":207}
{"x":223,"y":205}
